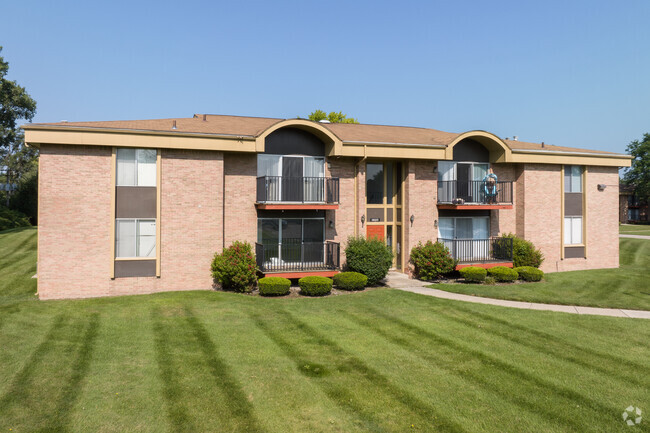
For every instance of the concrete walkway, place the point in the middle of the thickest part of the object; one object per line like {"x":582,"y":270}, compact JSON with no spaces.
{"x":400,"y":281}
{"x":635,"y":236}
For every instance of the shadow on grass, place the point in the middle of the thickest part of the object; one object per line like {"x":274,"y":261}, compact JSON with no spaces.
{"x":332,"y":354}
{"x":551,"y":347}
{"x":46,"y":404}
{"x":232,"y":411}
{"x":431,"y":356}
{"x":521,"y":375}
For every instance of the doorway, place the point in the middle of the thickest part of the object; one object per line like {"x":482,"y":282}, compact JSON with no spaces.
{"x":384,"y":205}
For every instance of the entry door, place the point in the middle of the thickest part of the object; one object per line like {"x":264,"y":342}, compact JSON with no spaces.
{"x":464,"y":173}
{"x":292,"y":182}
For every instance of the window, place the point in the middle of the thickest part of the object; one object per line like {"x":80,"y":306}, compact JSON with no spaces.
{"x":464,"y":228}
{"x":136,"y":167}
{"x":135,"y":238}
{"x":572,"y":178}
{"x":572,"y":230}
{"x":374,"y":183}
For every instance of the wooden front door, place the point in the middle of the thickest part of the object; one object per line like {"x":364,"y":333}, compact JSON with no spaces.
{"x":375,"y":232}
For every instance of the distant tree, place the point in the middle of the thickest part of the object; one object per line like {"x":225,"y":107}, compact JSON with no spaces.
{"x":15,"y":105}
{"x":638,"y":175}
{"x":333,"y":117}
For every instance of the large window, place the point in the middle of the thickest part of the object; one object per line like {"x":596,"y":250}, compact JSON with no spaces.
{"x":136,"y":167}
{"x":292,"y":240}
{"x":135,"y":238}
{"x":572,"y":230}
{"x":572,"y":178}
{"x":464,"y":227}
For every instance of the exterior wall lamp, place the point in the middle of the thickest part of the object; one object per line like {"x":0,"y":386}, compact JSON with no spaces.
{"x":331,"y":224}
{"x":412,"y":219}
{"x":601,"y":187}
{"x":435,"y":224}
{"x":363,"y":220}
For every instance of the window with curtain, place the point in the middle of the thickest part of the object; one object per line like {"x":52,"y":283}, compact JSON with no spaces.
{"x":573,"y":178}
{"x":135,"y":238}
{"x":136,"y":167}
{"x":572,"y":230}
{"x":268,"y":165}
{"x":314,"y":178}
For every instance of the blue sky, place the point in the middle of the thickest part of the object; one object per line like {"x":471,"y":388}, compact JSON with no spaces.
{"x":571,"y":73}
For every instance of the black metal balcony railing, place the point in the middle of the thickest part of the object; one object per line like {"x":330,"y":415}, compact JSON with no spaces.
{"x":479,"y":250}
{"x":475,"y":191}
{"x":297,"y":189}
{"x":297,"y":257}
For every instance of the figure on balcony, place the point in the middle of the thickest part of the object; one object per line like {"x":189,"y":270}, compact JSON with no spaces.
{"x":490,"y":186}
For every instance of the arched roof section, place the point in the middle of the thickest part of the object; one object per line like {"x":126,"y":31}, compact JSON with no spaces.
{"x":331,"y":141}
{"x":499,"y":150}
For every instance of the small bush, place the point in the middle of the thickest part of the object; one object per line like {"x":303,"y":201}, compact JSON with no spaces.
{"x":528,"y":273}
{"x":490,"y":281}
{"x":315,"y":286}
{"x":431,"y":260}
{"x":524,"y":252}
{"x":273,"y":286}
{"x":235,"y":269}
{"x":503,"y":274}
{"x":473,"y":274}
{"x":370,"y":257}
{"x":10,"y":219}
{"x":350,"y":281}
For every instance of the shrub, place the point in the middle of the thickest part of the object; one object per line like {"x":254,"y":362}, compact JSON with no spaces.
{"x":10,"y":219}
{"x":490,"y":281}
{"x":350,"y":281}
{"x":273,"y":286}
{"x":528,"y":273}
{"x":370,"y":257}
{"x":473,"y":274}
{"x":524,"y":252}
{"x":235,"y":269}
{"x":431,"y":260}
{"x":315,"y":286}
{"x":503,"y":274}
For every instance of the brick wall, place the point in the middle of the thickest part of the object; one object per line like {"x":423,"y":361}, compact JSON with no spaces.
{"x":505,"y":220}
{"x":344,"y":217}
{"x":74,"y":215}
{"x":74,"y":256}
{"x":241,"y":195}
{"x":421,"y":202}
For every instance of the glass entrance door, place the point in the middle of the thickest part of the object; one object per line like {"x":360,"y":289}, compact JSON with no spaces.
{"x":384,"y":205}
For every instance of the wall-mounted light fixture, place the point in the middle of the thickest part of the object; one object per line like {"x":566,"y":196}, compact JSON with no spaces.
{"x":412,"y":219}
{"x":329,"y":165}
{"x":331,"y":224}
{"x":601,"y":187}
{"x":435,"y":224}
{"x":363,"y":220}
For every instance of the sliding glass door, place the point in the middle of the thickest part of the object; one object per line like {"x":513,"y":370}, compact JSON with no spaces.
{"x":293,"y":178}
{"x":466,"y":237}
{"x":292,"y":240}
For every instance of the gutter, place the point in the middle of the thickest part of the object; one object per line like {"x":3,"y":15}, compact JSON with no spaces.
{"x":138,"y":131}
{"x":569,"y":152}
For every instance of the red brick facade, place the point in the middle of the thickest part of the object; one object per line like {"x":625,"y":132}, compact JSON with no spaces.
{"x":208,"y":201}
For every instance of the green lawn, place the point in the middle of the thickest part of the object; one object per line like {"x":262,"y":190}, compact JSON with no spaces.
{"x":635,"y":229}
{"x":376,"y":361}
{"x":626,"y":287}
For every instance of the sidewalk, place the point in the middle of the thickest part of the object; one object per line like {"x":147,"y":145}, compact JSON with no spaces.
{"x":635,"y":236}
{"x":400,"y":281}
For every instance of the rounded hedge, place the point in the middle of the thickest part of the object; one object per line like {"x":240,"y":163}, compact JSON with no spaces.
{"x":273,"y":286}
{"x":473,"y":274}
{"x":350,"y":281}
{"x":503,"y":274}
{"x":315,"y":286}
{"x":528,"y":273}
{"x":235,"y":268}
{"x":370,"y":257}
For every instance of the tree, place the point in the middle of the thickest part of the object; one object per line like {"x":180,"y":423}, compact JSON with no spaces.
{"x":15,"y":105}
{"x":638,"y":175}
{"x":333,"y":117}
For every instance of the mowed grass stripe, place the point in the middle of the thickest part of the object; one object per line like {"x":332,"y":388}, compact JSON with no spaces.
{"x":38,"y":401}
{"x":17,"y":266}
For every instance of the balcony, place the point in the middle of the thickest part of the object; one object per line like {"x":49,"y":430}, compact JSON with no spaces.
{"x":293,"y":258}
{"x":474,"y":194}
{"x":484,"y":253}
{"x":279,"y":192}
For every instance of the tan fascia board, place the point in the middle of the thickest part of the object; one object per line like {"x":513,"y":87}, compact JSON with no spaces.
{"x":570,"y":158}
{"x":393,"y":150}
{"x":35,"y":135}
